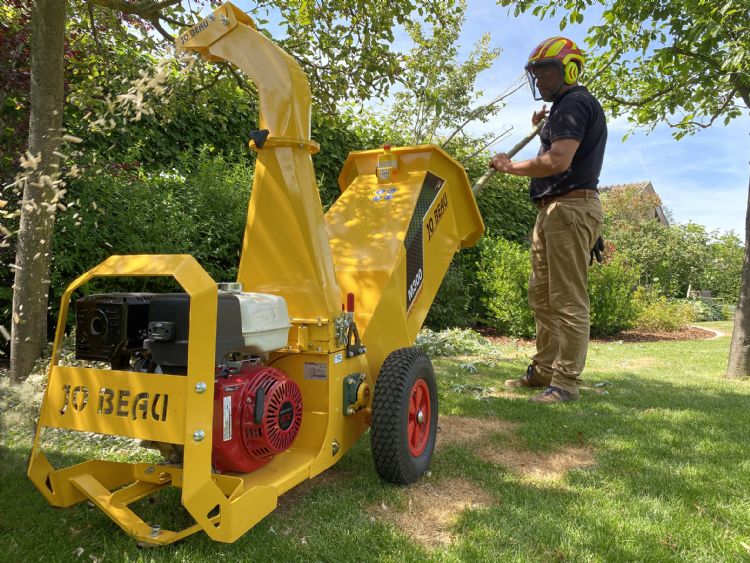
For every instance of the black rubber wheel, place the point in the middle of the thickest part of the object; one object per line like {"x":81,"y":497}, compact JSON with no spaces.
{"x":404,"y":416}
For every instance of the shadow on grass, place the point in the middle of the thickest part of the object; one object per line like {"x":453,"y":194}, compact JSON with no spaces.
{"x":326,"y":520}
{"x":667,"y":480}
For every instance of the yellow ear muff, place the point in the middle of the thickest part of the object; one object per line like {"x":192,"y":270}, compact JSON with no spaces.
{"x":571,"y":73}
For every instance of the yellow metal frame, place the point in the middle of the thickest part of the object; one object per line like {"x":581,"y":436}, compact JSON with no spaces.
{"x":224,"y":506}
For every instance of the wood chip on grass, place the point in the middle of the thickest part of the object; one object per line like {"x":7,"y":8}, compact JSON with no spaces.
{"x":464,"y":430}
{"x":432,"y":509}
{"x":535,"y":466}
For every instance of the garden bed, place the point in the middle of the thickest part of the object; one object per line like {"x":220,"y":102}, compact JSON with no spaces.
{"x":687,"y":333}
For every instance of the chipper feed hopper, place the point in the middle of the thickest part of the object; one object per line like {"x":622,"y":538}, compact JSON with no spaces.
{"x":249,"y":388}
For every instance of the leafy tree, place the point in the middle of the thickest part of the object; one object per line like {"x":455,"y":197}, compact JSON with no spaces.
{"x":670,"y":259}
{"x":628,"y":208}
{"x":439,"y":89}
{"x":724,"y":271}
{"x":681,"y":62}
{"x":344,"y":44}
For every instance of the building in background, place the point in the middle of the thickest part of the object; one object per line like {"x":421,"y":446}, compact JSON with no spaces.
{"x":646,"y":187}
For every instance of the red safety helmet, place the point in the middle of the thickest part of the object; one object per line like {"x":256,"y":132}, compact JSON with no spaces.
{"x":556,"y":50}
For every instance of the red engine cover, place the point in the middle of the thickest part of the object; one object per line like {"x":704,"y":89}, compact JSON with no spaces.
{"x":257,"y":414}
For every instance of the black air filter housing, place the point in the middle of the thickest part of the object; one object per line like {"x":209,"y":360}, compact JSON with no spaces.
{"x":109,"y":325}
{"x":168,"y":322}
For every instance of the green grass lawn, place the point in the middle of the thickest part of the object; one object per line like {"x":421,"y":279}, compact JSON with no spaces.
{"x":669,"y":478}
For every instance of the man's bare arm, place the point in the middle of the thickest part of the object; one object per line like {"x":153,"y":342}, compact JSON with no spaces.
{"x":554,"y":161}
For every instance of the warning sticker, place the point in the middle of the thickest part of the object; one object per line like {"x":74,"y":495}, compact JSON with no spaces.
{"x":316,"y":370}
{"x":227,"y":418}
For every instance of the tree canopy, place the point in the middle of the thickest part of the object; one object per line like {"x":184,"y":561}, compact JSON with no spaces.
{"x":682,"y":62}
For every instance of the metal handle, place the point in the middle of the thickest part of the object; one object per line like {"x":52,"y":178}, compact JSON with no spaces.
{"x":482,"y":182}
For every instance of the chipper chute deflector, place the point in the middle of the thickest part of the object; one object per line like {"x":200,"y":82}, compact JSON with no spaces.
{"x":251,"y":387}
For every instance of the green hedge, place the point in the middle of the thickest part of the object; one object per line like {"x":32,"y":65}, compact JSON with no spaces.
{"x":503,"y":274}
{"x":658,"y":313}
{"x":452,"y":306}
{"x":202,"y":214}
{"x":611,"y":287}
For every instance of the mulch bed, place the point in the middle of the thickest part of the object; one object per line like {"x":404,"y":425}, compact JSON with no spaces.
{"x":689,"y":333}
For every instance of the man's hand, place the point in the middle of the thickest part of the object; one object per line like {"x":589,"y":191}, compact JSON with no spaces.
{"x":500,"y":162}
{"x":539,"y":115}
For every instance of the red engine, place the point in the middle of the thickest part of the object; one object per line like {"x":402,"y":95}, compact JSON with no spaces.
{"x":257,"y":414}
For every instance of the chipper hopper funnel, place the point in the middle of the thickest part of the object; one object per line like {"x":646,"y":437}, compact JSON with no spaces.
{"x":249,"y":388}
{"x":403,"y":214}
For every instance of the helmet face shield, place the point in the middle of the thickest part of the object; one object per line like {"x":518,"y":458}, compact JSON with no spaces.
{"x":550,"y":72}
{"x":532,"y":83}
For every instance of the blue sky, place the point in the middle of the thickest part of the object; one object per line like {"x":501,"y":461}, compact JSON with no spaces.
{"x":703,"y":178}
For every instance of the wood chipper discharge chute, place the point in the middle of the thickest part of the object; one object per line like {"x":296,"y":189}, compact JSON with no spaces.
{"x":251,"y":387}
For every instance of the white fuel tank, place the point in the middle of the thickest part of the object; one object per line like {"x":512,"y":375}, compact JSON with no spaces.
{"x":264,"y":319}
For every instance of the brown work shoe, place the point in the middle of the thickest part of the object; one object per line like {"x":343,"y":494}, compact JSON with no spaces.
{"x":529,"y":379}
{"x":554,"y":395}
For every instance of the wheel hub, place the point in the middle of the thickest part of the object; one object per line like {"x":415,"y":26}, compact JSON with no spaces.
{"x":418,"y":430}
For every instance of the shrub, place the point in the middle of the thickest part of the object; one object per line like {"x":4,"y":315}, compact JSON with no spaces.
{"x":452,"y":342}
{"x":452,"y":304}
{"x":706,"y":310}
{"x":613,"y":307}
{"x":657,"y":313}
{"x":503,"y":273}
{"x":728,"y":311}
{"x":506,"y":209}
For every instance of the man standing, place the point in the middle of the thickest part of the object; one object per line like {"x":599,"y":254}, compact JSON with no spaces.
{"x":564,"y":179}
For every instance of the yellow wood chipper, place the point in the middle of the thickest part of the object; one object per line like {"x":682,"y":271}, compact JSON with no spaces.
{"x":251,"y":387}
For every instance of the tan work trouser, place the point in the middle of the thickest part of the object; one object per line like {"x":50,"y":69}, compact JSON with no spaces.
{"x":564,"y":234}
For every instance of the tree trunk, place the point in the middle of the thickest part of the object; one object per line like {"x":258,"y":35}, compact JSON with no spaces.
{"x":34,"y":247}
{"x":739,"y":351}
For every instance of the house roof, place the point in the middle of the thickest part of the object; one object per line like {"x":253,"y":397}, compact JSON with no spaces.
{"x":642,"y":185}
{"x":646,"y":186}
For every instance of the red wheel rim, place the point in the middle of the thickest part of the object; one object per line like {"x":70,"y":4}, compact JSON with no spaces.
{"x":418,"y":428}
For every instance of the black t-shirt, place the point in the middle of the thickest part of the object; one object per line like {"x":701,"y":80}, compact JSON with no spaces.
{"x":576,"y":114}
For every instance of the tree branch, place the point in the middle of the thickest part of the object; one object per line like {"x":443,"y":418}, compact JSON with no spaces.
{"x":641,"y":101}
{"x":145,"y":9}
{"x":692,"y":55}
{"x":157,"y":24}
{"x":714,"y":116}
{"x":210,"y":84}
{"x":92,"y":25}
{"x":478,"y":111}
